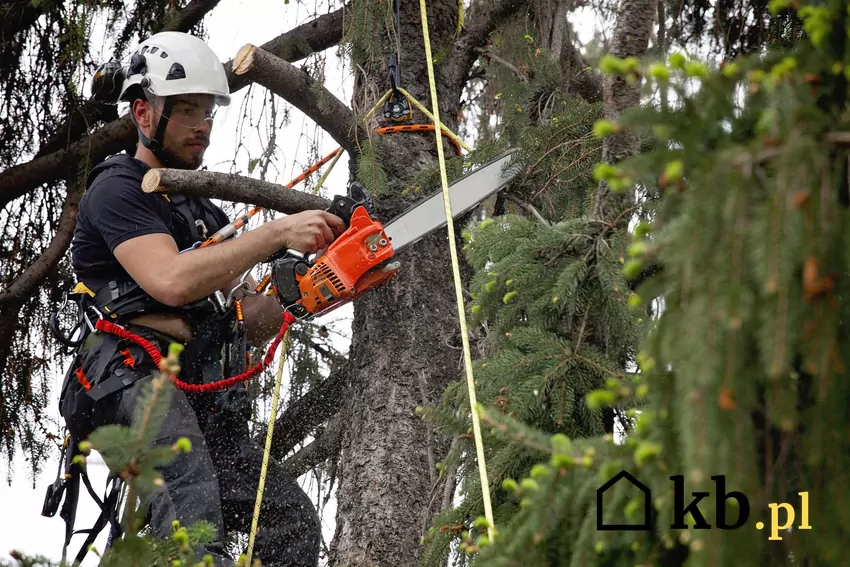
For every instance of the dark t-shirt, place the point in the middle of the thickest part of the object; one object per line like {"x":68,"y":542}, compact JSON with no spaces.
{"x":114,"y":209}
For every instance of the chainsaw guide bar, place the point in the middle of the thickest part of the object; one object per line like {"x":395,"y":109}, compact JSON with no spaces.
{"x":359,"y":259}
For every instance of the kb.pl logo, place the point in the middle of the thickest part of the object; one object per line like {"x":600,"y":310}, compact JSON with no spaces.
{"x":681,"y":510}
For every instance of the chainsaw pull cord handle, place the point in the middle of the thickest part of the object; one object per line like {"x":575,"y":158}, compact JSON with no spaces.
{"x":467,"y":355}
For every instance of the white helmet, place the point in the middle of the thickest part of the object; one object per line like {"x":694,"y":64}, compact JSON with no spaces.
{"x":171,"y":63}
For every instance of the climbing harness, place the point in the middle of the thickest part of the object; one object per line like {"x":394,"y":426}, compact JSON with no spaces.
{"x":102,"y":312}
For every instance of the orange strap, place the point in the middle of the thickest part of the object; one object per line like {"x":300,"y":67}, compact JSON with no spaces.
{"x":417,"y":128}
{"x":128,"y":358}
{"x":81,"y":378}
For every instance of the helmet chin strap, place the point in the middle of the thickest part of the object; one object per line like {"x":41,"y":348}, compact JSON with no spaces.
{"x":157,"y":144}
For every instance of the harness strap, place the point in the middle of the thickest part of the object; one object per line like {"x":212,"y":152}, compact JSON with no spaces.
{"x":107,"y":351}
{"x":107,"y":514}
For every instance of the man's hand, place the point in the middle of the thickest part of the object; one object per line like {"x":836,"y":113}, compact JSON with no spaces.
{"x":309,"y":231}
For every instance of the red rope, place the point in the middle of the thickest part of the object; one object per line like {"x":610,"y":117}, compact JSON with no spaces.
{"x":150,"y":348}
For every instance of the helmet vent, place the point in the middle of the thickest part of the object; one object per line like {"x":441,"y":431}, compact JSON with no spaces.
{"x":154,"y":49}
{"x":176,"y":72}
{"x":163,"y":55}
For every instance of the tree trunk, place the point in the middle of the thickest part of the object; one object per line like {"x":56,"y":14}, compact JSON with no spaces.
{"x":635,"y":19}
{"x":405,"y":344}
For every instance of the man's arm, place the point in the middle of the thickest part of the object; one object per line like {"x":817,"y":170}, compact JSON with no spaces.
{"x":174,"y":279}
{"x":263,"y":313}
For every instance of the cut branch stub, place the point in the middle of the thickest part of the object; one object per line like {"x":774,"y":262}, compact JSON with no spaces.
{"x":231,"y":187}
{"x":298,"y":88}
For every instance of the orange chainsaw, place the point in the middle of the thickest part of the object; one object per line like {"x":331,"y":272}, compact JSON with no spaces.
{"x":360,"y":258}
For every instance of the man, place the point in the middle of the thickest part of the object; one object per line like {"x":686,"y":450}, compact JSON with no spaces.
{"x":127,"y":243}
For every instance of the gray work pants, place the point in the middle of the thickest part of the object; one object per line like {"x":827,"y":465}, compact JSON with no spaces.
{"x":217,"y":481}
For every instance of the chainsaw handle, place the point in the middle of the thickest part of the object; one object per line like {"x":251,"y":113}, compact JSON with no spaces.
{"x":343,"y":206}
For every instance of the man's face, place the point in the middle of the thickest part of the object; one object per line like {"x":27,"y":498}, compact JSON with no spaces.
{"x":187,"y":133}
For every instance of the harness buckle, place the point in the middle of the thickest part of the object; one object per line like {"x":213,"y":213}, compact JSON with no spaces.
{"x":86,"y":318}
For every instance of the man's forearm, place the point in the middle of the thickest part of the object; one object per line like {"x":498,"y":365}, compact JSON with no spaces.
{"x":263,"y":317}
{"x":200,"y":272}
{"x":263,"y":314}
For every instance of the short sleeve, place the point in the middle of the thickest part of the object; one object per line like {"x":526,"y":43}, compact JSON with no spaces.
{"x":120,"y":210}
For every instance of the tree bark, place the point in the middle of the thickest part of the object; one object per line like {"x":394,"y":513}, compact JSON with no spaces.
{"x":630,"y":39}
{"x":231,"y":187}
{"x":301,"y":90}
{"x":313,"y":37}
{"x":558,"y":39}
{"x":405,"y":336}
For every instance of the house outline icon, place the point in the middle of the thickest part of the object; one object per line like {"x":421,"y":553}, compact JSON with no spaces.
{"x":647,"y":504}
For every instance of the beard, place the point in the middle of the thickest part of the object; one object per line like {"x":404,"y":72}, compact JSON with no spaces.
{"x":175,"y":161}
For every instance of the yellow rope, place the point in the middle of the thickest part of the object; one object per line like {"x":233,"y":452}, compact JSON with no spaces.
{"x":434,"y":119}
{"x":267,"y":450}
{"x":419,"y":106}
{"x":275,"y":397}
{"x":467,"y":356}
{"x":377,"y":105}
{"x":326,"y":173}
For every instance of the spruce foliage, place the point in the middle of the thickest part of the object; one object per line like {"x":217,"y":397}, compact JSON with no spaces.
{"x":742,"y":374}
{"x":553,"y":306}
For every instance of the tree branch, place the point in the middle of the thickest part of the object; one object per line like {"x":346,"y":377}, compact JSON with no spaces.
{"x":484,"y":17}
{"x":299,"y":88}
{"x":313,"y":37}
{"x":309,"y":411}
{"x":20,"y":179}
{"x":231,"y":187}
{"x":32,"y":277}
{"x":318,"y":451}
{"x":321,"y":33}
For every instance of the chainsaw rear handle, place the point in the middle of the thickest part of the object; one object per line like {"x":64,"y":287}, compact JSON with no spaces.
{"x":343,"y":207}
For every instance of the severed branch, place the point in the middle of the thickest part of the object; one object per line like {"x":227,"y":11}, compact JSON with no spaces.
{"x":309,"y":411}
{"x":231,"y":187}
{"x":326,"y":445}
{"x":313,"y":37}
{"x":299,"y":88}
